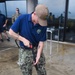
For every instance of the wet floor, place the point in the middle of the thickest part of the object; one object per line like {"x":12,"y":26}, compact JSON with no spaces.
{"x":59,"y":61}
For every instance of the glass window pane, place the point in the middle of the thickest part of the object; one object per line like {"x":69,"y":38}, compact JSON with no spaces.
{"x":12,"y":5}
{"x":70,"y":33}
{"x":2,"y":8}
{"x":56,"y":18}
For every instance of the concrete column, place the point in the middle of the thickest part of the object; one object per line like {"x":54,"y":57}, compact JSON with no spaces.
{"x":30,"y":5}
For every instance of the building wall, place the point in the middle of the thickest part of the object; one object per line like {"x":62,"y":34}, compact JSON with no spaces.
{"x":31,"y":5}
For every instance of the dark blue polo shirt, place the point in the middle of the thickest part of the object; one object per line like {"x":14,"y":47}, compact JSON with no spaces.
{"x":26,"y":28}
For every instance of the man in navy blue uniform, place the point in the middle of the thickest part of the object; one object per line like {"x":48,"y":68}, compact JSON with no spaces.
{"x":3,"y":23}
{"x":31,"y":28}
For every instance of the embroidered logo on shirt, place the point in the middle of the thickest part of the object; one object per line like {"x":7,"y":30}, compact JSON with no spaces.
{"x":38,"y":31}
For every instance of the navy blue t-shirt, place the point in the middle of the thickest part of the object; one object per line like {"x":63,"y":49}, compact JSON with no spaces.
{"x":2,"y":22}
{"x":25,"y":27}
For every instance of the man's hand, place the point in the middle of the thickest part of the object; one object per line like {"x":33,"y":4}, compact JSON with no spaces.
{"x":4,"y":25}
{"x":26,"y":42}
{"x":37,"y":60}
{"x":20,"y":38}
{"x":39,"y":51}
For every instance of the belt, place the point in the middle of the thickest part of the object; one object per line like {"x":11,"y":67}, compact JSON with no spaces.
{"x":34,"y":47}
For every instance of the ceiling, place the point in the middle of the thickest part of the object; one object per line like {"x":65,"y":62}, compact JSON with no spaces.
{"x":2,"y":0}
{"x":8,"y":0}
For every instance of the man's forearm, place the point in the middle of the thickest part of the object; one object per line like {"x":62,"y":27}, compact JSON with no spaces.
{"x":39,"y":51}
{"x":15,"y":35}
{"x":40,"y":48}
{"x":6,"y":21}
{"x":20,"y":38}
